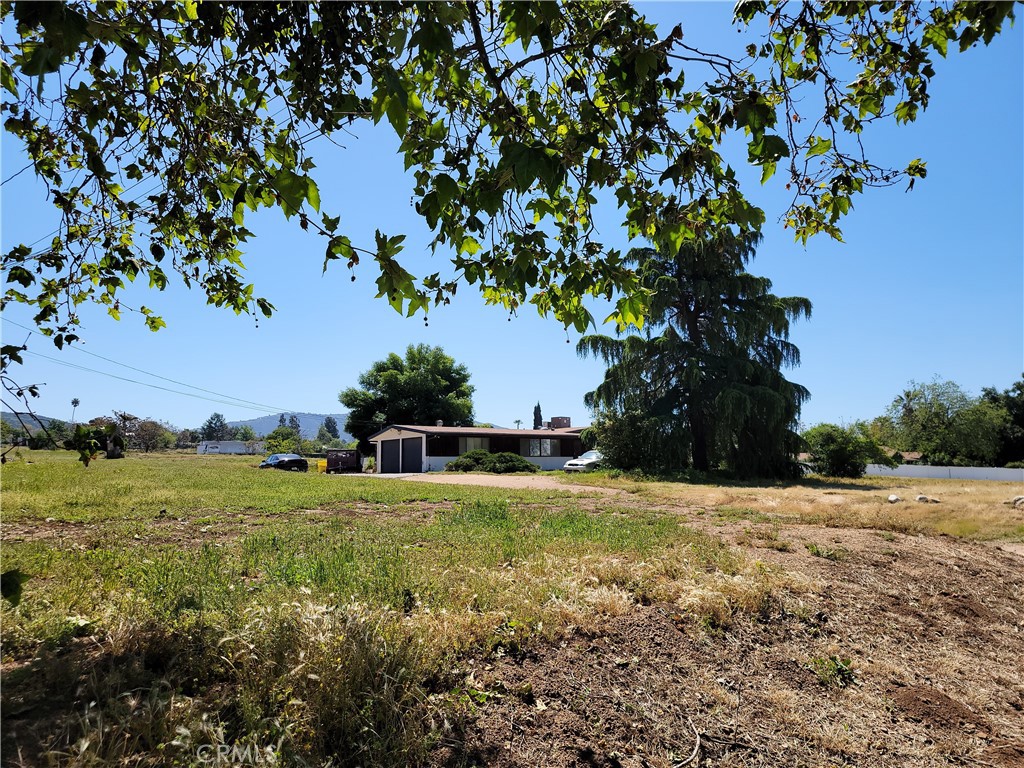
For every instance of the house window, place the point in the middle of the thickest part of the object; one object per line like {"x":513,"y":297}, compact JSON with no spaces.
{"x":538,"y":447}
{"x":467,"y":444}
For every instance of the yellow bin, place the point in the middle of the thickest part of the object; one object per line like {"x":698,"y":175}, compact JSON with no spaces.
{"x":321,"y":465}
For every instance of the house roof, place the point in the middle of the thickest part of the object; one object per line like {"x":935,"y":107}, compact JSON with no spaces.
{"x":907,"y":455}
{"x":479,"y":431}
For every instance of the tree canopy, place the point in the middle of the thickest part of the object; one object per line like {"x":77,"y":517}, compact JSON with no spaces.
{"x":216,"y":428}
{"x":702,"y":386}
{"x":947,"y":426}
{"x":424,"y":387}
{"x":330,"y":425}
{"x":514,"y":118}
{"x":1011,"y":437}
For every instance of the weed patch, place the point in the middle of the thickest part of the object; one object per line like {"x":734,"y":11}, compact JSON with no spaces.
{"x":833,"y":671}
{"x":834,"y":554}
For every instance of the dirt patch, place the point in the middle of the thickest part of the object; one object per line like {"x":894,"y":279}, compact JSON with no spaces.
{"x":930,"y":630}
{"x":930,"y":705}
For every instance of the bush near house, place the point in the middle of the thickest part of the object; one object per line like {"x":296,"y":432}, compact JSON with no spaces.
{"x":485,"y":461}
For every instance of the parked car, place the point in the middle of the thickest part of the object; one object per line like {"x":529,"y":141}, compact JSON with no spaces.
{"x":585,"y":463}
{"x":290,"y":461}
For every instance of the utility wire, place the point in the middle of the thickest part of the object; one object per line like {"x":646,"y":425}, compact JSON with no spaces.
{"x":247,"y":403}
{"x":157,"y":386}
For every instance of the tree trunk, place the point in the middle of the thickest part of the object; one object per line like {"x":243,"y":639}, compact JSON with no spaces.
{"x":699,"y":433}
{"x":114,"y":451}
{"x":695,"y":406}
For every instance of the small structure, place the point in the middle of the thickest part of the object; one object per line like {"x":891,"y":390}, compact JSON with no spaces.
{"x":230,"y":447}
{"x":403,"y":448}
{"x":343,"y":460}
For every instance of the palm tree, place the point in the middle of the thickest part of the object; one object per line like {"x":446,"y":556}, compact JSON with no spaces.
{"x":518,"y":423}
{"x":75,"y":402}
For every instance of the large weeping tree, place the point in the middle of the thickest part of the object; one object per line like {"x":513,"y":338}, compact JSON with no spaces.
{"x":703,"y":384}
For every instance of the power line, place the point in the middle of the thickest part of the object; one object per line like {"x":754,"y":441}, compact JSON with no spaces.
{"x":156,"y":386}
{"x":246,"y":403}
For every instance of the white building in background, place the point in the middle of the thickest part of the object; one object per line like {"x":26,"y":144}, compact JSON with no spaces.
{"x":230,"y":446}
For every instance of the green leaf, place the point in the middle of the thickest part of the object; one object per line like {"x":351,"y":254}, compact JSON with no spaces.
{"x":447,"y":188}
{"x":293,"y":190}
{"x":630,"y":311}
{"x":818,"y":146}
{"x":7,"y":80}
{"x":768,"y":149}
{"x":917,"y":168}
{"x":239,"y":196}
{"x":313,"y":194}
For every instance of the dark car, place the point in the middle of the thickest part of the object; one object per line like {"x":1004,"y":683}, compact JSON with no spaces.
{"x":291,"y":461}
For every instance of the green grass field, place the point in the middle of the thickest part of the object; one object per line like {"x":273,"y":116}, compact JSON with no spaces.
{"x":325,"y":614}
{"x":206,"y":558}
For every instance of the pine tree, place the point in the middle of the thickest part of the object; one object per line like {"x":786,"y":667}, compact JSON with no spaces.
{"x":707,"y":370}
{"x":538,"y":420}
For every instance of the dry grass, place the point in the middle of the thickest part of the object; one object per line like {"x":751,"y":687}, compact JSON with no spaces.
{"x":967,"y":509}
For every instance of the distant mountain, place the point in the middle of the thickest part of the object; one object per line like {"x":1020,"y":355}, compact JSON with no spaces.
{"x":30,"y":421}
{"x":309,"y":423}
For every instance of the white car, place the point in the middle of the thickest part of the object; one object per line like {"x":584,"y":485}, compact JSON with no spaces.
{"x":585,"y":463}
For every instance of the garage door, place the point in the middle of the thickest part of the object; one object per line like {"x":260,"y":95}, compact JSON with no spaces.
{"x":390,"y":453}
{"x":412,"y":454}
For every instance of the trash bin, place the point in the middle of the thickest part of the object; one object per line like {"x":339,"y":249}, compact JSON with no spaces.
{"x":321,"y":465}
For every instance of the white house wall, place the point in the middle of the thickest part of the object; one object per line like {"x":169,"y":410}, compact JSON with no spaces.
{"x":546,"y":463}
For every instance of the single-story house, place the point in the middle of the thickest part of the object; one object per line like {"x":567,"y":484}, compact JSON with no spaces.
{"x":230,"y":446}
{"x":414,"y":448}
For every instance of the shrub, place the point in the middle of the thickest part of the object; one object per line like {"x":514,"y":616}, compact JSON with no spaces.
{"x":505,"y":463}
{"x":484,"y":461}
{"x":471,"y":461}
{"x":634,"y":440}
{"x":843,"y":451}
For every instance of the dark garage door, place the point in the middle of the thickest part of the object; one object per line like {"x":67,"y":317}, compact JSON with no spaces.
{"x":412,"y":454}
{"x":389,"y":456}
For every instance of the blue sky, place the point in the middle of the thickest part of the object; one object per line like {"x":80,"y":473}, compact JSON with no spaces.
{"x":927,"y":283}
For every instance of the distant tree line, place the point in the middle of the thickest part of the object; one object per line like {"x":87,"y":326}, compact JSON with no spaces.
{"x":134,"y":434}
{"x":937,"y":420}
